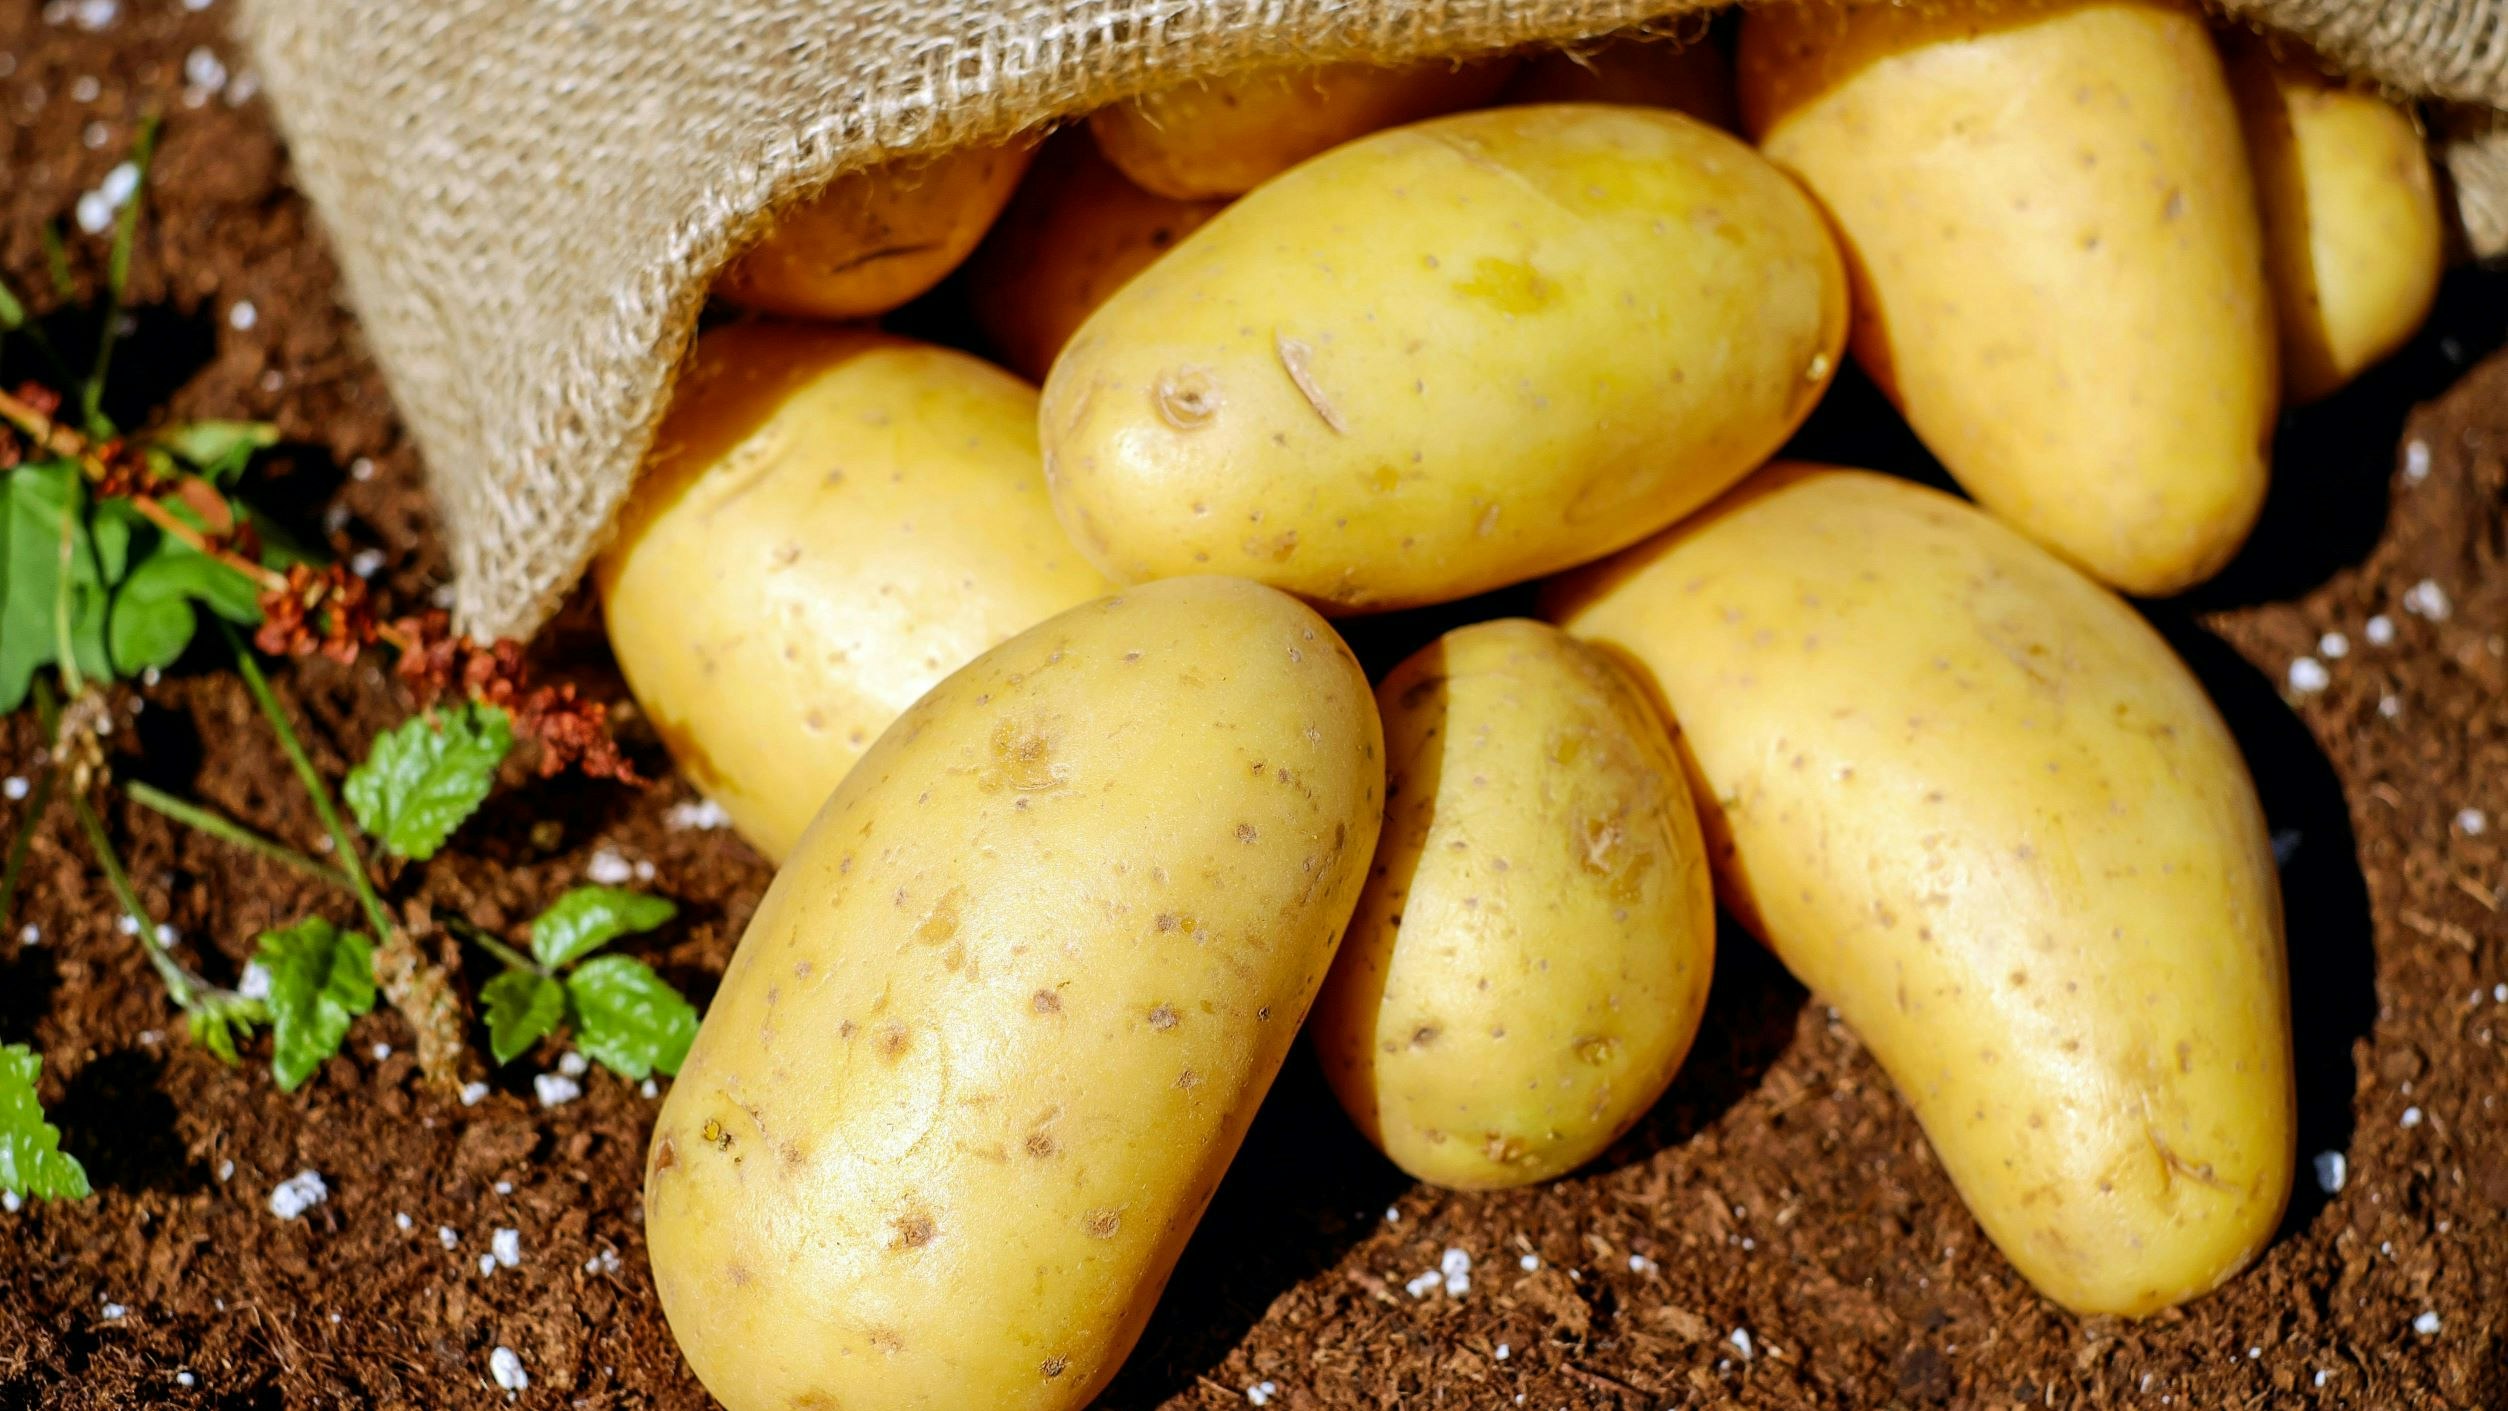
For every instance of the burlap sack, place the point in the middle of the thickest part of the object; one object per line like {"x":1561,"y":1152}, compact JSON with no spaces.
{"x":529,"y":197}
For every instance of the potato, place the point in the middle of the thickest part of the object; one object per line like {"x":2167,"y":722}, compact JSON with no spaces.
{"x":1073,"y":235}
{"x":1448,"y":357}
{"x":829,"y":523}
{"x":1976,"y":803}
{"x":1693,"y":76}
{"x":1226,"y":136}
{"x":875,"y":239}
{"x":2059,"y":276}
{"x":1529,"y":961}
{"x":2351,"y":225}
{"x":1002,"y":1019}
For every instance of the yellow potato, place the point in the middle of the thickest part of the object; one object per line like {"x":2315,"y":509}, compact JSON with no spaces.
{"x":2059,"y":276}
{"x":1975,"y":802}
{"x":1688,"y":76}
{"x":1448,"y":357}
{"x":1001,"y":1021}
{"x":875,"y":239}
{"x":1529,"y":961}
{"x":1226,"y":136}
{"x":2352,"y":234}
{"x":1074,"y":234}
{"x":829,"y":523}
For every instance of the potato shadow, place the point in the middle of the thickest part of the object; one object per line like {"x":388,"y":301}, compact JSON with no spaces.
{"x":28,"y":979}
{"x":1305,"y":1188}
{"x":2334,"y":459}
{"x":122,"y":1126}
{"x":1753,"y":1007}
{"x":2325,"y":895}
{"x":177,"y":345}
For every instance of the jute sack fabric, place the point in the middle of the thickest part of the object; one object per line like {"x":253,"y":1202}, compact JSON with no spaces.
{"x":529,"y":197}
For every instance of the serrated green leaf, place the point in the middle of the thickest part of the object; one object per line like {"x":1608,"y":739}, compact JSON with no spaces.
{"x":320,"y":978}
{"x":628,"y":1019}
{"x":32,"y":1162}
{"x":153,"y":621}
{"x":219,"y":449}
{"x":522,"y":1009}
{"x":221,"y":1027}
{"x":588,"y":918}
{"x":424,"y":776}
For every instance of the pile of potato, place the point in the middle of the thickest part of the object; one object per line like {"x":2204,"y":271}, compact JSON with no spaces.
{"x":1081,"y":802}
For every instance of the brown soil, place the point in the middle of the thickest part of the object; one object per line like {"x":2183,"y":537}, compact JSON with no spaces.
{"x":1781,"y":1190}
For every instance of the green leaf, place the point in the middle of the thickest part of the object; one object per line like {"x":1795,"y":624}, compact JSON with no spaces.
{"x":588,"y":918}
{"x":522,"y":1009}
{"x":320,"y":978}
{"x":12,"y":311}
{"x":219,"y":448}
{"x":629,"y":1019}
{"x":31,"y":1160}
{"x":34,"y":503}
{"x":221,"y":1026}
{"x":152,"y":618}
{"x":112,"y":525}
{"x":426,"y":775}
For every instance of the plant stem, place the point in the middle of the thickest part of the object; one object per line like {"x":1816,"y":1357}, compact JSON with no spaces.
{"x":419,"y":989}
{"x":36,"y":802}
{"x":118,"y":278}
{"x":192,"y":815}
{"x":351,"y":864}
{"x":71,"y":680}
{"x":63,"y":440}
{"x":479,"y":936}
{"x":179,"y":983}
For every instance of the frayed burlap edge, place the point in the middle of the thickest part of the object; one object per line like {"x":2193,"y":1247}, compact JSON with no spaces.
{"x":529,"y":198}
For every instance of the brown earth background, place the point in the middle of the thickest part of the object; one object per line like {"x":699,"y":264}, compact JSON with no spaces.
{"x":1780,"y":1193}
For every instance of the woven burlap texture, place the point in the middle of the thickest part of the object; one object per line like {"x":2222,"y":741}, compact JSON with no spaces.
{"x":528,"y":198}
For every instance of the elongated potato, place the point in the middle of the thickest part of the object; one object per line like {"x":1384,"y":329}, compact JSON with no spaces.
{"x":2059,"y":277}
{"x":1001,"y":1021}
{"x":2351,"y":226}
{"x":830,"y":522}
{"x":1693,"y":76}
{"x":875,"y":239}
{"x":1530,"y":959}
{"x":1075,"y":233}
{"x":1226,"y":136}
{"x":1977,"y":804}
{"x":1448,"y":357}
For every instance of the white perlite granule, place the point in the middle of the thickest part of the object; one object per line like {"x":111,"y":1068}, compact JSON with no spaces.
{"x":2331,"y":1171}
{"x":2427,"y":599}
{"x":508,"y":1370}
{"x":297,"y":1194}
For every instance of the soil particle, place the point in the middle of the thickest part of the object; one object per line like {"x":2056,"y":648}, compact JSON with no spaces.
{"x":1781,"y":1188}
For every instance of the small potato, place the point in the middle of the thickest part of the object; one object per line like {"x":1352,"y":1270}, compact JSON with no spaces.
{"x":1226,"y":136}
{"x":2352,"y":232}
{"x":1693,"y":76}
{"x":1449,"y":357}
{"x":1075,"y":233}
{"x":875,"y":239}
{"x":1530,"y":959}
{"x":1974,"y":801}
{"x":1001,"y":1022}
{"x":2059,"y":275}
{"x":830,"y":522}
